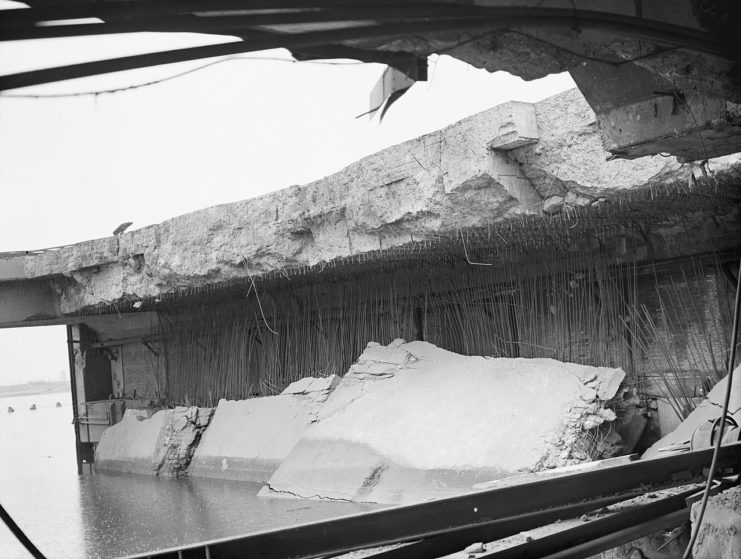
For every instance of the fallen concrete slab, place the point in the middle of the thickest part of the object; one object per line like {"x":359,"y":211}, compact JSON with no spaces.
{"x":411,"y":422}
{"x":130,"y":446}
{"x":708,"y":410}
{"x":162,"y":444}
{"x":248,"y":439}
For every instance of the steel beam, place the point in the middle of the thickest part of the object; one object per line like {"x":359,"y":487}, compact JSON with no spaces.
{"x":419,"y":521}
{"x":450,"y":542}
{"x":604,"y":533}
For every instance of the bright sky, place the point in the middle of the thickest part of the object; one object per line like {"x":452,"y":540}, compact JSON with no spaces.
{"x":73,"y":169}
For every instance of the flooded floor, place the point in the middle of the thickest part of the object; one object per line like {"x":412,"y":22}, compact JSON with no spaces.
{"x":108,"y":515}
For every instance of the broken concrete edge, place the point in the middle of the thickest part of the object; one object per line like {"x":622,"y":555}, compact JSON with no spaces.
{"x":348,"y":454}
{"x":412,"y":192}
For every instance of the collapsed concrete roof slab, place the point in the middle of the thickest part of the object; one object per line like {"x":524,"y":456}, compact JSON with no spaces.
{"x":425,"y":188}
{"x":411,"y":421}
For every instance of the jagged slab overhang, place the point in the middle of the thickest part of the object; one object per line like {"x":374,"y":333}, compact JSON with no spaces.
{"x":456,"y":193}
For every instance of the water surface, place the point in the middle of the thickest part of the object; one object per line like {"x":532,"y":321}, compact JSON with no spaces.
{"x":109,"y":515}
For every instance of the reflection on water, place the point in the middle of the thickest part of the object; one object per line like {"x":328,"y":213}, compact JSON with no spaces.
{"x":108,"y":515}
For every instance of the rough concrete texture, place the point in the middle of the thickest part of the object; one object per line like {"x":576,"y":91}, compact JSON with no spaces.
{"x":534,"y":52}
{"x":248,"y":439}
{"x":411,"y":422}
{"x":161,"y":445}
{"x":708,"y":410}
{"x":720,"y":532}
{"x":179,"y":439}
{"x":432,"y":185}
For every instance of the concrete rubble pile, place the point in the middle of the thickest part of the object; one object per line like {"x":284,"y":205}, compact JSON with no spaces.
{"x":408,"y":422}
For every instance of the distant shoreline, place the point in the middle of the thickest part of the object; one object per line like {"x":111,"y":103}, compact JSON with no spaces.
{"x":30,"y":388}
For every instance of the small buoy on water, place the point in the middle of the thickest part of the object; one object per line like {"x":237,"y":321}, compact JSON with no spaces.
{"x":59,"y":405}
{"x":33,"y":407}
{"x":10,"y":409}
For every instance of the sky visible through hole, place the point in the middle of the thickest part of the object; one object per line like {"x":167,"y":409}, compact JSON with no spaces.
{"x":73,"y":169}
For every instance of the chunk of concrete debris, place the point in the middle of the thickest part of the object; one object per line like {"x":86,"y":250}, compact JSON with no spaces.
{"x":553,"y":204}
{"x":248,"y":439}
{"x":474,"y":548}
{"x":439,"y":422}
{"x":162,"y":444}
{"x":720,"y":532}
{"x":709,"y":410}
{"x":308,"y":385}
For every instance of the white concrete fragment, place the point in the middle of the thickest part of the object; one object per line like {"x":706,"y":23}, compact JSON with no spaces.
{"x":382,"y":354}
{"x":518,"y":127}
{"x":161,"y":445}
{"x":131,"y":445}
{"x":248,"y":439}
{"x":438,"y":425}
{"x":308,"y":385}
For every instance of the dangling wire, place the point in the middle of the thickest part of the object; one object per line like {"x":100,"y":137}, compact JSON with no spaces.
{"x":259,"y":304}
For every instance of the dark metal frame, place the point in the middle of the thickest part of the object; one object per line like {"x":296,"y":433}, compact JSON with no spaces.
{"x":380,"y":21}
{"x":506,"y":508}
{"x":73,"y":387}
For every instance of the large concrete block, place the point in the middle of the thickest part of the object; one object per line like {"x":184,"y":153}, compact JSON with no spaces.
{"x":248,"y":439}
{"x":162,"y":444}
{"x":131,"y":445}
{"x":517,"y":128}
{"x":435,"y":423}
